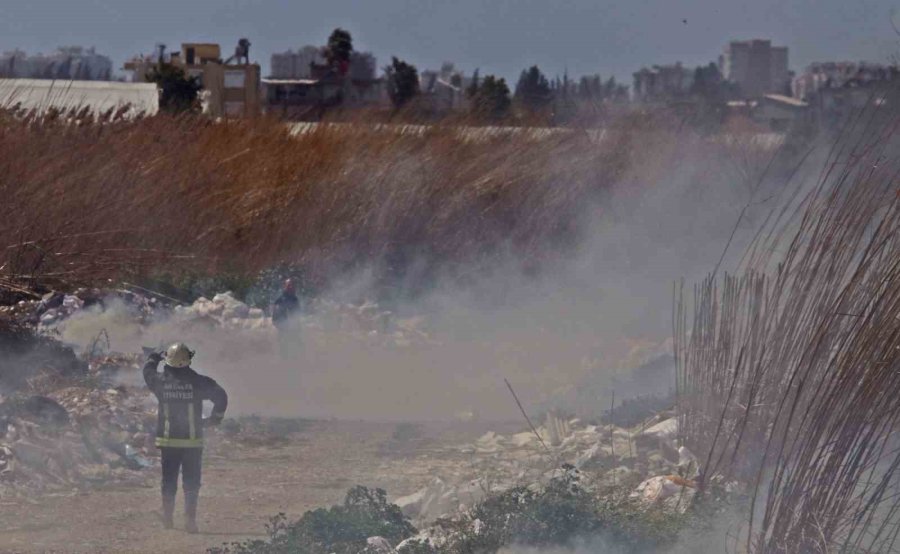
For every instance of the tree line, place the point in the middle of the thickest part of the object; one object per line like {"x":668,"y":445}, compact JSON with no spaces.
{"x":488,"y":97}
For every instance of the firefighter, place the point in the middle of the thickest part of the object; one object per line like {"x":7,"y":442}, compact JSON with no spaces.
{"x":284,"y":312}
{"x":180,"y":392}
{"x":285,"y":306}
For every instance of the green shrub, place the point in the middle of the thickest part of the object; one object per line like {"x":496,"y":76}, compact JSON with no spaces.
{"x":341,"y":529}
{"x":563,"y":514}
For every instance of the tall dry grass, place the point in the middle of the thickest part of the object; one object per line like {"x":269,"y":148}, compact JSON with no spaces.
{"x":94,"y":201}
{"x":788,"y":371}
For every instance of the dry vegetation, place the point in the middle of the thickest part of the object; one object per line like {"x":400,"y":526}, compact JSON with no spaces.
{"x":88,"y":201}
{"x":788,"y":372}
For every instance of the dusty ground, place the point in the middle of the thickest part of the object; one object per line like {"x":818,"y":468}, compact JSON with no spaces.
{"x":242,"y":487}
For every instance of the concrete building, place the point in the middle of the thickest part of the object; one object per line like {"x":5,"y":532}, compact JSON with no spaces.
{"x":756,"y":67}
{"x":776,"y":111}
{"x":292,"y":65}
{"x":295,"y":64}
{"x":841,"y":75}
{"x":67,"y":62}
{"x":779,"y":112}
{"x":662,"y":83}
{"x":444,"y":91}
{"x":303,"y":84}
{"x":837,"y":91}
{"x":229,"y":90}
{"x":305,"y":99}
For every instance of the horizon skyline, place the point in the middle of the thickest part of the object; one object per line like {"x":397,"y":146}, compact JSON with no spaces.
{"x":484,"y":36}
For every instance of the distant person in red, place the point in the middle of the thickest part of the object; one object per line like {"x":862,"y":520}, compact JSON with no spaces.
{"x":179,"y":430}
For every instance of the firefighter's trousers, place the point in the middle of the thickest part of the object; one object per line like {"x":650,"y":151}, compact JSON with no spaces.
{"x":188,"y":462}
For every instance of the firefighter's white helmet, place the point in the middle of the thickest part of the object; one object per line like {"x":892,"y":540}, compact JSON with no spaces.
{"x":179,"y":355}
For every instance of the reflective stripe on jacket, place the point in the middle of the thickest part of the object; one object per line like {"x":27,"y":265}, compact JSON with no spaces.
{"x":181,"y":392}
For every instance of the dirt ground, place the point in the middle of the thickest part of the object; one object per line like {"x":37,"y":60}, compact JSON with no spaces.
{"x":242,"y":487}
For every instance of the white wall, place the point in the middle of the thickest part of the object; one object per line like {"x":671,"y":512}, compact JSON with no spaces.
{"x":100,"y":96}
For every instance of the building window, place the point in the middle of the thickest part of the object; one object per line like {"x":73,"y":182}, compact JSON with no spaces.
{"x":190,"y":55}
{"x":234,"y":79}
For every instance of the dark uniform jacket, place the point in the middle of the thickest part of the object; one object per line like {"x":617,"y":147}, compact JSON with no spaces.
{"x":181,"y":392}
{"x":284,"y":307}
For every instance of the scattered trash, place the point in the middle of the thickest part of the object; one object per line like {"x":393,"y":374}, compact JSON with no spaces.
{"x":557,"y":429}
{"x":224,"y":311}
{"x":38,"y":409}
{"x":674,"y":491}
{"x":663,"y":433}
{"x":7,"y":461}
{"x":378,"y":545}
{"x":138,"y":461}
{"x":688,"y":464}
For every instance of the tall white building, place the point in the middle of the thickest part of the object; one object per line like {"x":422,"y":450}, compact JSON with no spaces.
{"x":757,"y":67}
{"x":67,"y":62}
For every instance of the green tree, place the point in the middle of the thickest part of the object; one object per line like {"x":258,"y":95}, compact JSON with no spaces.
{"x":472,"y":89}
{"x":590,"y":88}
{"x":610,"y":88}
{"x":340,"y":47}
{"x":178,"y":91}
{"x":533,"y":89}
{"x":402,"y":82}
{"x":491,"y":99}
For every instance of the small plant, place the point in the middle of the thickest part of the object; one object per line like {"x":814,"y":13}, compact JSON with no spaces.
{"x":341,"y":529}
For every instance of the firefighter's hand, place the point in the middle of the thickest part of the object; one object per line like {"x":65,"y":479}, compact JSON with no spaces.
{"x":154,"y":357}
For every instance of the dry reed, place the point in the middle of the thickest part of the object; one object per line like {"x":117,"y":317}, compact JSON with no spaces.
{"x":787,"y":372}
{"x":92,"y":201}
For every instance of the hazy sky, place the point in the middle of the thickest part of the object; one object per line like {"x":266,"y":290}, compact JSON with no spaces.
{"x":499,"y":36}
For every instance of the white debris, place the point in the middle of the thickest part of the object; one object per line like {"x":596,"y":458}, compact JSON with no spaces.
{"x":557,"y":429}
{"x":411,"y":505}
{"x":72,"y":303}
{"x":524,"y":438}
{"x":670,"y":490}
{"x":688,"y":464}
{"x":7,"y":461}
{"x":378,"y":545}
{"x":664,"y":430}
{"x":439,"y":498}
{"x":224,"y":311}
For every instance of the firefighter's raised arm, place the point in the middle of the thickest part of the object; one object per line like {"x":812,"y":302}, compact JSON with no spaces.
{"x":151,"y":375}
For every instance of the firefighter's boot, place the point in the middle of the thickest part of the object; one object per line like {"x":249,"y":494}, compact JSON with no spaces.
{"x":190,"y":511}
{"x":168,"y":511}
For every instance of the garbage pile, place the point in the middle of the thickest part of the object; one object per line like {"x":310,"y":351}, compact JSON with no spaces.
{"x":367,"y":322}
{"x":643,"y":457}
{"x":60,"y":312}
{"x":364,"y":322}
{"x":56,"y":307}
{"x":87,"y":433}
{"x":223,"y":311}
